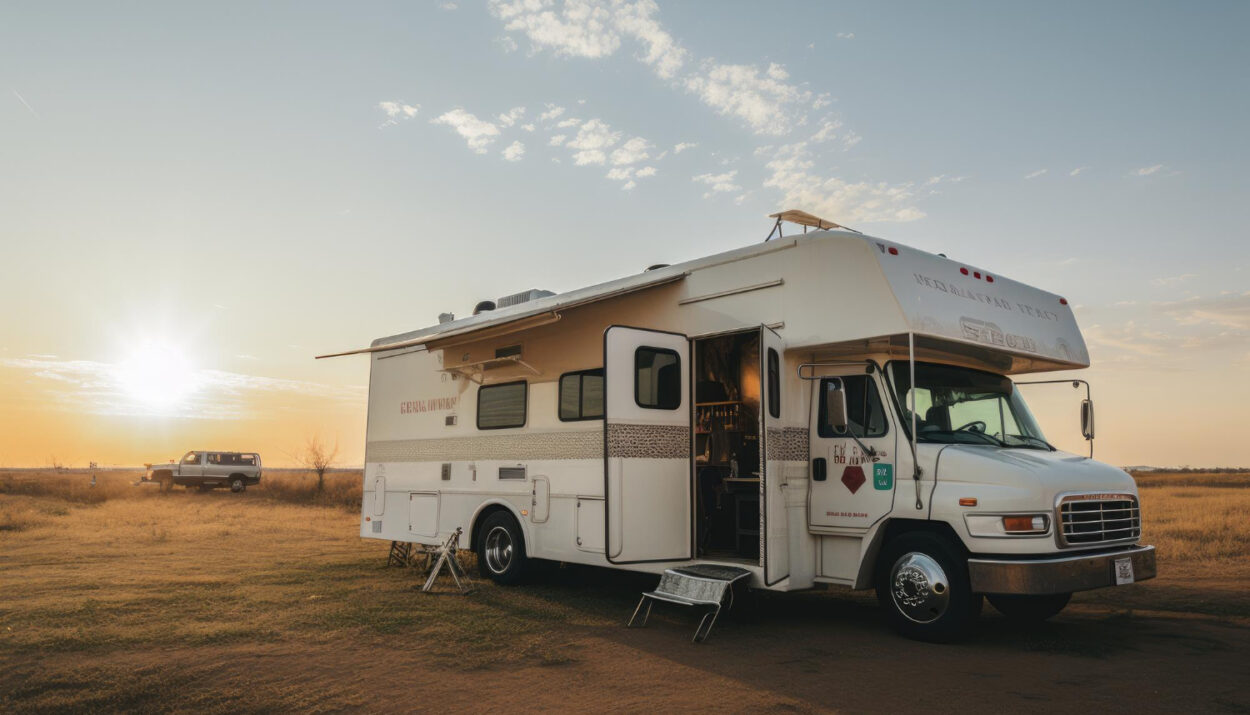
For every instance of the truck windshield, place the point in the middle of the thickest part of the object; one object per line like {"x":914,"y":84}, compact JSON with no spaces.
{"x":958,"y":405}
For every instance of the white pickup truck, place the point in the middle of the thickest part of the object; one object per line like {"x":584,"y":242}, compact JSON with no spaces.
{"x":207,"y":470}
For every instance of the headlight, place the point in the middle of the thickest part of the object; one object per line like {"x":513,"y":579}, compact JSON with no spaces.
{"x":1000,"y":525}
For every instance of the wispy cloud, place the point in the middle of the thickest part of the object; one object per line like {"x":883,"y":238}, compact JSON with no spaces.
{"x":1148,"y":170}
{"x":593,"y":140}
{"x":761,"y":97}
{"x":104,"y":389}
{"x":718,"y":183}
{"x":682,"y":146}
{"x":510,"y":117}
{"x":1077,"y":171}
{"x":514,"y":151}
{"x":26,"y":104}
{"x":479,"y":134}
{"x":1035,"y":174}
{"x":792,"y":173}
{"x":397,"y":112}
{"x":845,"y":35}
{"x":1173,"y":280}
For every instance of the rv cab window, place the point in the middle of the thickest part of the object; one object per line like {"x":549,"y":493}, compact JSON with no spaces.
{"x":865,"y":414}
{"x":191,"y":458}
{"x":500,"y":406}
{"x":657,"y":378}
{"x":581,"y":395}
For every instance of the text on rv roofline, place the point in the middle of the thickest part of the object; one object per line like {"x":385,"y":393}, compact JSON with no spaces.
{"x":985,"y":298}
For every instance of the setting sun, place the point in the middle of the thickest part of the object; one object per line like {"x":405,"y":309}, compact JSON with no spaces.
{"x":157,"y":375}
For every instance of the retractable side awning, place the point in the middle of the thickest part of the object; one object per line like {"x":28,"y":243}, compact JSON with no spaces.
{"x":524,"y":315}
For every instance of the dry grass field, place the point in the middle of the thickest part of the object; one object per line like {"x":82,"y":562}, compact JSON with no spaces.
{"x":117,"y":597}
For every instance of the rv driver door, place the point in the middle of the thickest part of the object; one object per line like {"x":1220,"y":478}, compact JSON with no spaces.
{"x":852,"y":467}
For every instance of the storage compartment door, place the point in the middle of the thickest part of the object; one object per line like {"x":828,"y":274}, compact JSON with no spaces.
{"x":647,"y":473}
{"x":774,"y":451}
{"x":423,"y":513}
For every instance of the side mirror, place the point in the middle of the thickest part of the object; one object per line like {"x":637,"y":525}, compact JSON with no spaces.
{"x":1087,"y":419}
{"x":835,"y":408}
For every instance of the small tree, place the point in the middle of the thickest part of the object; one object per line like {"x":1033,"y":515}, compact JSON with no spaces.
{"x":318,"y":457}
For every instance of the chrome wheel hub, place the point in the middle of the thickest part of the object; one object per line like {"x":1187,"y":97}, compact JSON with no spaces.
{"x":498,"y":549}
{"x":919,"y":587}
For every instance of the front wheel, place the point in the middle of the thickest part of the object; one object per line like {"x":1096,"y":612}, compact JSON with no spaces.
{"x":1030,"y":609}
{"x":501,"y":549}
{"x":922,"y":582}
{"x":237,"y":485}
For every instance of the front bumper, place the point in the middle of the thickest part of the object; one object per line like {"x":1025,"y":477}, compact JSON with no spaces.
{"x":1079,"y":572}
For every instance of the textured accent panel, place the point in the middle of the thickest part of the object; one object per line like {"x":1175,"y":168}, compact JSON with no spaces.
{"x":787,"y":444}
{"x":534,"y":445}
{"x":649,"y":441}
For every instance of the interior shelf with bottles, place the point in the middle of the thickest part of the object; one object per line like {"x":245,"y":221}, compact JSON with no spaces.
{"x":725,"y":416}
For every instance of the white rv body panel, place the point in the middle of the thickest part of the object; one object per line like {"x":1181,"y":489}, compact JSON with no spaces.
{"x":826,"y":300}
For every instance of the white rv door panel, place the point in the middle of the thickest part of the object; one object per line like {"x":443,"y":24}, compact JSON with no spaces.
{"x":647,"y":476}
{"x":423,"y":513}
{"x":774,"y":524}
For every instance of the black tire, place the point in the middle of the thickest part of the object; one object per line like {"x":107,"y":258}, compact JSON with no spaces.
{"x":501,"y":549}
{"x":237,"y":484}
{"x":1030,"y":609}
{"x":922,"y":583}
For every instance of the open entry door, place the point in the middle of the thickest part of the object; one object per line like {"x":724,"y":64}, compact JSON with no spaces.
{"x":774,"y":526}
{"x":647,"y":446}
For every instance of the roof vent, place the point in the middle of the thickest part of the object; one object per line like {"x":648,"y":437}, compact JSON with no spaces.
{"x":523,"y":297}
{"x":446,"y":318}
{"x":483,"y":306}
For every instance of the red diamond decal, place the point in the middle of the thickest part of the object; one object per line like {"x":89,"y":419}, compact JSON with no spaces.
{"x":853,"y":478}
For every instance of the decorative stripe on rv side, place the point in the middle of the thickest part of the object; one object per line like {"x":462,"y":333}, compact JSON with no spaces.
{"x":649,"y":441}
{"x":531,"y":445}
{"x":787,"y":444}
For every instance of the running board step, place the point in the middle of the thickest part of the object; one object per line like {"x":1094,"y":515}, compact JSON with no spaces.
{"x":705,"y":585}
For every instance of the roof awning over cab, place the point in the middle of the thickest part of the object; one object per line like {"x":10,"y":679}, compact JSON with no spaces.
{"x":523,"y":316}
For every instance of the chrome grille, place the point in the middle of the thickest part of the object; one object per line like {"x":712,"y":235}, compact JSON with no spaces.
{"x":1098,"y":518}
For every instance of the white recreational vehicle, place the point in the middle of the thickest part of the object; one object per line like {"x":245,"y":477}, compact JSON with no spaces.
{"x":828,"y":408}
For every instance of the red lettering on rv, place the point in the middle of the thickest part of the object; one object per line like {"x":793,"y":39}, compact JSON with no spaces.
{"x":434,"y":404}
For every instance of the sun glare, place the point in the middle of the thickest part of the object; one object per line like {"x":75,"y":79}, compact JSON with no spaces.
{"x":158,"y":375}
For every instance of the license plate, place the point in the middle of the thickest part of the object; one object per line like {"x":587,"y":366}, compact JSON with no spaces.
{"x":1123,"y":571}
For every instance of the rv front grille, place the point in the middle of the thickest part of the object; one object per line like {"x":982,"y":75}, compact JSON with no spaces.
{"x":1086,"y":519}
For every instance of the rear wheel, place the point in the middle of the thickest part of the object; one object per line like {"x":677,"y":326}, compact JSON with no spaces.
{"x":1030,"y":609}
{"x":237,"y":484}
{"x":922,"y":582}
{"x":501,"y":549}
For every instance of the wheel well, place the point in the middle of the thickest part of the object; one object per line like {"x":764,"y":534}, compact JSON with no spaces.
{"x":892,"y":530}
{"x":238,"y":476}
{"x":475,"y":532}
{"x":161,"y":474}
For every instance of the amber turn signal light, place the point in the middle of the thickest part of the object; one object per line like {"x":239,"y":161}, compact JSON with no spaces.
{"x":967,"y":501}
{"x":1018,"y":524}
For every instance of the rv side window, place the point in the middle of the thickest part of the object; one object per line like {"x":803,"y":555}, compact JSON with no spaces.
{"x":657,"y":378}
{"x":774,"y":384}
{"x":865,"y":415}
{"x":581,"y":395}
{"x":191,"y":458}
{"x":500,"y":406}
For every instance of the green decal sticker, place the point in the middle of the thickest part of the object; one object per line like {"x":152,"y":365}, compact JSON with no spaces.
{"x":883,"y":476}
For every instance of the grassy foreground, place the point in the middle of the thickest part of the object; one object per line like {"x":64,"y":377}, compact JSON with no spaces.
{"x":118,"y":597}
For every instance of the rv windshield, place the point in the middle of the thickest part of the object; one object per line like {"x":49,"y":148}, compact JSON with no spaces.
{"x":958,"y":405}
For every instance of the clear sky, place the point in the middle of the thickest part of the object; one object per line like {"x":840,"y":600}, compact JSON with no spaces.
{"x":196,"y":199}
